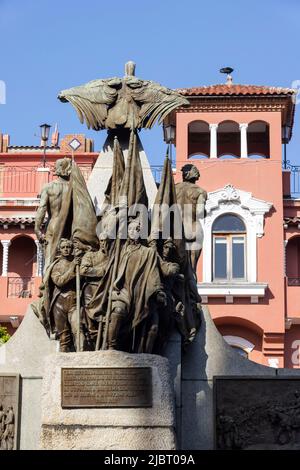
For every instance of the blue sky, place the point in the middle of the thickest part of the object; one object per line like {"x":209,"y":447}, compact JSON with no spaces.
{"x":50,"y":45}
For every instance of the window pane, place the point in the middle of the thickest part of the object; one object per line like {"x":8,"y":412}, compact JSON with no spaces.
{"x":220,"y":258}
{"x":229,"y":223}
{"x":238,"y":257}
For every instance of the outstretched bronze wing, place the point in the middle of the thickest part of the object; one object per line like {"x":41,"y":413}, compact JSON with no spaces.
{"x":128,"y":102}
{"x":156,"y":102}
{"x":91,"y":101}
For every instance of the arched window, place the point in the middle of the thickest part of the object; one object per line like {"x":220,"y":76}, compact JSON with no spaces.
{"x":229,"y":248}
{"x":21,"y":267}
{"x":293,"y":261}
{"x":198,"y":139}
{"x":229,"y":140}
{"x":258,"y":139}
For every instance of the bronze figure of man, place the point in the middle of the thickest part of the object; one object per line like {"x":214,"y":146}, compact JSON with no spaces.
{"x":93,"y":267}
{"x":51,"y":202}
{"x":137,"y":292}
{"x":63,"y":305}
{"x":191,"y":198}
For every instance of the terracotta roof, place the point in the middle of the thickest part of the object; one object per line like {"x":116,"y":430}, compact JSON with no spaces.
{"x":235,"y":90}
{"x":27,"y":220}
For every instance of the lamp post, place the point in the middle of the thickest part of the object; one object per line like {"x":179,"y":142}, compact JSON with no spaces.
{"x":285,"y":140}
{"x":169,"y":137}
{"x":45,"y":129}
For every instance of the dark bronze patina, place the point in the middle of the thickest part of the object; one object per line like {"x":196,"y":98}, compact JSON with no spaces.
{"x":109,"y":387}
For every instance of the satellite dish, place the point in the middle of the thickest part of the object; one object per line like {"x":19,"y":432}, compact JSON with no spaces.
{"x":227,"y":70}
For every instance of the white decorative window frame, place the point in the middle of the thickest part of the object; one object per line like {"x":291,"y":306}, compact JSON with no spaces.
{"x":229,"y":200}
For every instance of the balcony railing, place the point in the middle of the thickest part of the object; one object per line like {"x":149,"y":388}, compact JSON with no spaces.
{"x":20,"y":287}
{"x":24,"y":179}
{"x":294,"y":281}
{"x":18,"y":180}
{"x":295,"y":178}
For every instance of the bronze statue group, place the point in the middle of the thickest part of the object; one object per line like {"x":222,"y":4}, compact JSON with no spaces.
{"x":104,"y":291}
{"x":114,"y":281}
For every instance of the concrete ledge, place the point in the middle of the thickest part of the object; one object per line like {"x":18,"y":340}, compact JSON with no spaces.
{"x":107,"y":438}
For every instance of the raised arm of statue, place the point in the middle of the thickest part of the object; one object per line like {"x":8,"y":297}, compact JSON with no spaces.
{"x":40,"y":215}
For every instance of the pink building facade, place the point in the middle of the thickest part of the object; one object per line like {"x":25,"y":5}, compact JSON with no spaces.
{"x":249,"y":269}
{"x":22,"y":175}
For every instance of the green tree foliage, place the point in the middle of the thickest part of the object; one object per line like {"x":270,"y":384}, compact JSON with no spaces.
{"x":4,"y":335}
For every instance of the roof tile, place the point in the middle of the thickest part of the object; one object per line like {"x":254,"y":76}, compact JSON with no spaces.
{"x":235,"y":90}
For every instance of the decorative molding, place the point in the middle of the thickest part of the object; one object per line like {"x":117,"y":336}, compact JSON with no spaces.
{"x":251,"y":210}
{"x":235,"y":104}
{"x":211,"y":289}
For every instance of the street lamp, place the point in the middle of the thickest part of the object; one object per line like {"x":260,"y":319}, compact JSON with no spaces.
{"x":286,"y":130}
{"x":169,"y":137}
{"x":45,"y":129}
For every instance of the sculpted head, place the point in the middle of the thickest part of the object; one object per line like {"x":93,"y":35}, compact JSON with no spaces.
{"x":134,"y":230}
{"x":63,"y":167}
{"x":168,"y":247}
{"x":190,"y":173}
{"x":103,"y":241}
{"x":65,"y":247}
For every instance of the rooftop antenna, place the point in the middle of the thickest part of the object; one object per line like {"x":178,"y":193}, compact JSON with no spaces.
{"x":227,"y":71}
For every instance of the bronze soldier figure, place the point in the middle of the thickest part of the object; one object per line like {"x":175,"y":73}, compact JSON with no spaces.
{"x":52,"y":197}
{"x":137,"y":290}
{"x":63,"y":305}
{"x":93,"y":267}
{"x":191,"y":199}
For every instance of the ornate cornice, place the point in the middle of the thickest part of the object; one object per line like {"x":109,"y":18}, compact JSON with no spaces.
{"x":236,"y":104}
{"x":230,"y":199}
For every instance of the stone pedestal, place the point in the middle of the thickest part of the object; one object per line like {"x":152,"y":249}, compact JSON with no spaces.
{"x":24,"y":355}
{"x":136,"y":428}
{"x":102,"y":171}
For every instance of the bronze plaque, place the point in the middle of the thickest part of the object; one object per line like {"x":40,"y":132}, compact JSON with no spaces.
{"x":106,"y":387}
{"x":9,"y":411}
{"x":257,"y":412}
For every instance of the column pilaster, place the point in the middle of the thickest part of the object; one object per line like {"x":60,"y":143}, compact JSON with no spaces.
{"x":6,"y":245}
{"x":213,"y":140}
{"x":244,"y":144}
